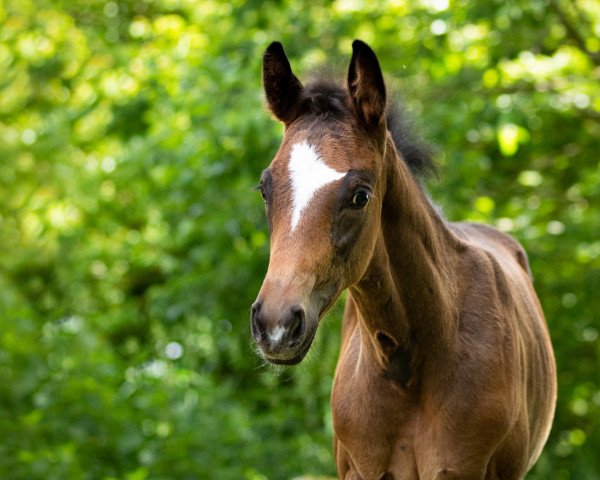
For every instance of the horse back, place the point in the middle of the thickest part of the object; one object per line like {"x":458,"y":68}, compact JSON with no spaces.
{"x":505,"y":248}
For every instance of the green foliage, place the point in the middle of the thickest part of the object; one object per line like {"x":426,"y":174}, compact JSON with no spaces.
{"x":131,"y":135}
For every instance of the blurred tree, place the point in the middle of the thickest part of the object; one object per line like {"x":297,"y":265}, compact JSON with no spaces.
{"x":131,"y":136}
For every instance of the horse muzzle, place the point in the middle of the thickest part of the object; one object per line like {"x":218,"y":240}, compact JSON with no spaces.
{"x":284,"y":334}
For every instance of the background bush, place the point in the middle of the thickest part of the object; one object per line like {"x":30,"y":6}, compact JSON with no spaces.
{"x":132,"y":245}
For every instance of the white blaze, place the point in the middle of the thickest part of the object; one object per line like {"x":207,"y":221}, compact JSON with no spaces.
{"x":308,"y":173}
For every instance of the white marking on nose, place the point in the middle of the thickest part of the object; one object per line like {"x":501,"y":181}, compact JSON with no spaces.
{"x":308,"y":173}
{"x":277,"y":334}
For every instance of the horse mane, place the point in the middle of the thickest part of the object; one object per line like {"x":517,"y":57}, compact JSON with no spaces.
{"x":325,"y":96}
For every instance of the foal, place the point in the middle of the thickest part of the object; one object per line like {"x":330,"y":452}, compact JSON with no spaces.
{"x":446,"y":369}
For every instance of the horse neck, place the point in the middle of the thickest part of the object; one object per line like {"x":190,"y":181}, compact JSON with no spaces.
{"x":409,"y":289}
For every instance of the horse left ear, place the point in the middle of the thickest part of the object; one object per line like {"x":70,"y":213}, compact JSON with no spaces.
{"x":282,"y":88}
{"x":366,"y":85}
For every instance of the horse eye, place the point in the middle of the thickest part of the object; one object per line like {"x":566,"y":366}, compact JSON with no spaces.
{"x":262,"y":193}
{"x":360,"y":198}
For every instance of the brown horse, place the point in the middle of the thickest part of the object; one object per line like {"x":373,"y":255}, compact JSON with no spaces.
{"x":446,"y":368}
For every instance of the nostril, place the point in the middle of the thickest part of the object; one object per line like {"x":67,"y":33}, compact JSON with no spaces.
{"x":297,"y":332}
{"x":296,"y":328}
{"x":255,"y":323}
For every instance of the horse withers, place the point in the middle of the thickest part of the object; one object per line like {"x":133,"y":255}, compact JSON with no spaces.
{"x":446,"y":368}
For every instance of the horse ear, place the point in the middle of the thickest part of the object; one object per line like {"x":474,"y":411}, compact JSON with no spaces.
{"x":366,"y":86}
{"x":282,"y":88}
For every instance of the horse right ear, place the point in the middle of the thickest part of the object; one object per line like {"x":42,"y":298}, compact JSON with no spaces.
{"x":282,"y":88}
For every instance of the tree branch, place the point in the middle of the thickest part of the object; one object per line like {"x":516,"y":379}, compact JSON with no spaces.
{"x":573,"y":33}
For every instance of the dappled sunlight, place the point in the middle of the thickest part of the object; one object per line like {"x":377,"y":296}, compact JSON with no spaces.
{"x":132,"y":135}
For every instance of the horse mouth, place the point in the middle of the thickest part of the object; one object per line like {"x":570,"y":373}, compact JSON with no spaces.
{"x":296,"y":356}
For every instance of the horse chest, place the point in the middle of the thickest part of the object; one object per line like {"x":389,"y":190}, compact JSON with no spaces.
{"x":374,"y":422}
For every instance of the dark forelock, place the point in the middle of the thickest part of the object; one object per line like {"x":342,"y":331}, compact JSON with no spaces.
{"x":325,"y":97}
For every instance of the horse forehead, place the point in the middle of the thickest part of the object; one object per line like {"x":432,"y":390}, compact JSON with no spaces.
{"x":308,"y":163}
{"x":308,"y":173}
